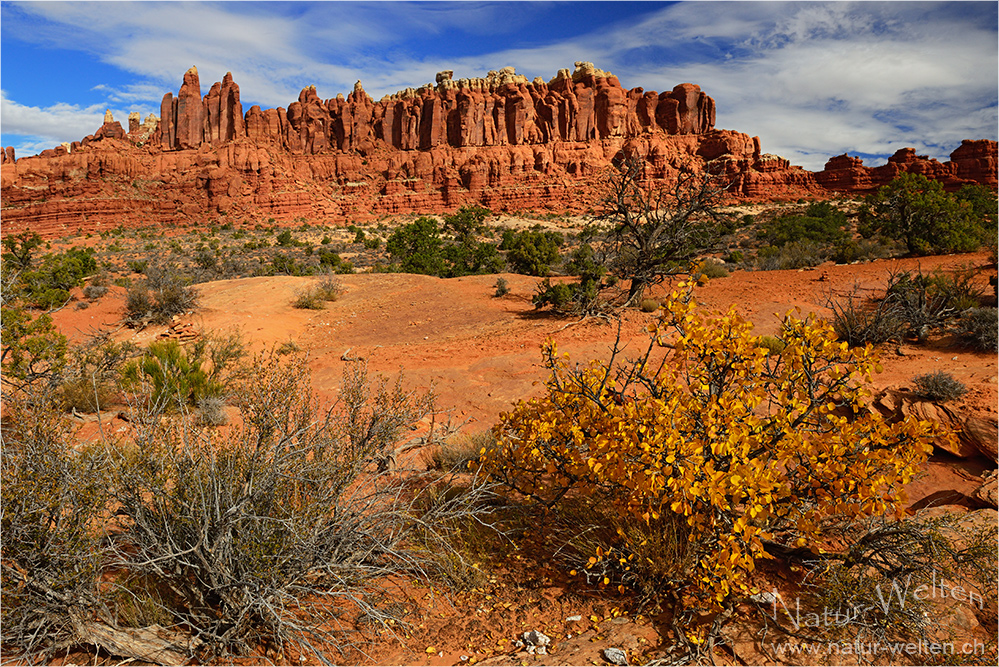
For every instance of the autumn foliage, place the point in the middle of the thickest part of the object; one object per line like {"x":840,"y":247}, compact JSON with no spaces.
{"x":729,"y":447}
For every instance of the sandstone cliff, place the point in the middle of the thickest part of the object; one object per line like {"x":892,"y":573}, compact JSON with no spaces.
{"x":500,"y":141}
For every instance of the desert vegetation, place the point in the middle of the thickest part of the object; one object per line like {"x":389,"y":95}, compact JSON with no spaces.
{"x":233,"y":514}
{"x":675,"y":475}
{"x":915,"y":305}
{"x":186,"y":539}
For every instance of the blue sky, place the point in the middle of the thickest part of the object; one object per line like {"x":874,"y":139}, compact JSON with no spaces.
{"x":811,"y":79}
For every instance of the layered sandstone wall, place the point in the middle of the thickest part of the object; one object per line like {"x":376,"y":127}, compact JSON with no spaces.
{"x":500,"y":141}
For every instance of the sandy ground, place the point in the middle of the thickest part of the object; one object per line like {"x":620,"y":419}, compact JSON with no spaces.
{"x":481,"y":353}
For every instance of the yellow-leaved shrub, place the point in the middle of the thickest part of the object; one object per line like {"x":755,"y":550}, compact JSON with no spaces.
{"x":734,"y":445}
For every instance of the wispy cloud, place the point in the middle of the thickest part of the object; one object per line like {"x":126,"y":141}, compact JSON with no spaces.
{"x":57,"y":121}
{"x":812,"y":79}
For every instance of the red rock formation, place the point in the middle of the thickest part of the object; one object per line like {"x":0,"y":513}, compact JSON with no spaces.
{"x":972,"y":162}
{"x":498,"y":141}
{"x":502,"y":109}
{"x":976,"y":161}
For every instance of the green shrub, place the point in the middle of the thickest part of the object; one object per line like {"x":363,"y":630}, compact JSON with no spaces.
{"x":939,"y":386}
{"x":471,"y":257}
{"x":206,"y":259}
{"x":50,"y":299}
{"x":567,"y":298}
{"x":287,"y":265}
{"x":532,"y":253}
{"x":793,"y":255}
{"x":502,"y":288}
{"x":735,"y":257}
{"x":467,"y":221}
{"x":917,"y":211}
{"x":822,"y":223}
{"x":328,"y":258}
{"x":709,"y":269}
{"x":21,"y":249}
{"x":982,"y":201}
{"x":34,"y":352}
{"x":177,"y":380}
{"x":852,"y":250}
{"x":418,"y":247}
{"x":48,"y":285}
{"x":285,"y":239}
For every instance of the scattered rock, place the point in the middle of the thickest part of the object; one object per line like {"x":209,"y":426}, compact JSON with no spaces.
{"x":765,"y":597}
{"x":182,"y":332}
{"x":988,"y":493}
{"x":615,"y":656}
{"x":534,"y":642}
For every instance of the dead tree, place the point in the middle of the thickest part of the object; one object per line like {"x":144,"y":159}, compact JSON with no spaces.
{"x":658,"y":227}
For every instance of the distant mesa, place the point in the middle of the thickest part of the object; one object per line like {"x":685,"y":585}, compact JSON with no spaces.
{"x":500,"y":141}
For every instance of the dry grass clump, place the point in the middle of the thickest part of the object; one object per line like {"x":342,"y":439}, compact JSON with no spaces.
{"x":314,"y":297}
{"x":211,"y":411}
{"x":457,"y":452}
{"x":164,"y":293}
{"x":709,"y":269}
{"x":649,"y":305}
{"x":939,"y":386}
{"x":309,"y":298}
{"x":979,"y":327}
{"x":771,"y":343}
{"x":859,"y":324}
{"x":330,"y":288}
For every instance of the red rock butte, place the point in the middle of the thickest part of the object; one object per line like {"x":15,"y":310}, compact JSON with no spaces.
{"x":500,"y":141}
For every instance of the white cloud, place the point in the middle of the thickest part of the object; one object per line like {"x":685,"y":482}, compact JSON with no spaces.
{"x":46,"y":127}
{"x":819,"y":79}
